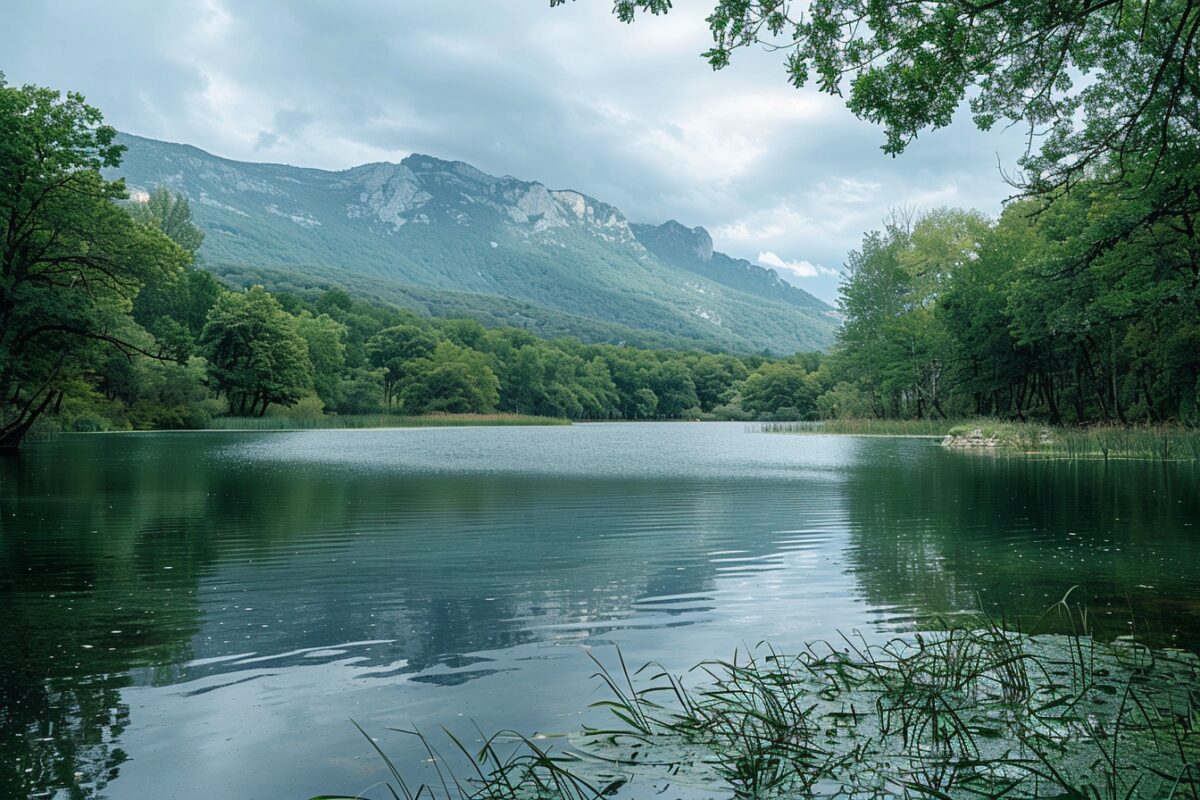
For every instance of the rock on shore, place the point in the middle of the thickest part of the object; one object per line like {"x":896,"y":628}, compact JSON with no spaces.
{"x":975,"y":438}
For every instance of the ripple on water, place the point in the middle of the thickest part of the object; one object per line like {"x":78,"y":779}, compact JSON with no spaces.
{"x":246,"y":591}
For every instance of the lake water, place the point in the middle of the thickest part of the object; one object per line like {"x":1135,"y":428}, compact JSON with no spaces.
{"x":200,"y":615}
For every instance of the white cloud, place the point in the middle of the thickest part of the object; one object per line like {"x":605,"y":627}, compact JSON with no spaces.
{"x":801,"y":269}
{"x":844,"y":190}
{"x":630,"y":114}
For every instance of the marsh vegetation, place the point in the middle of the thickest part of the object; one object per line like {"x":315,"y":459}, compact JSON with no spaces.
{"x":1141,"y":442}
{"x":975,"y":709}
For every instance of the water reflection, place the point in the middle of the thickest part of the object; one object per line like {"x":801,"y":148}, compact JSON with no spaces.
{"x":200,"y":606}
{"x":1013,"y":535}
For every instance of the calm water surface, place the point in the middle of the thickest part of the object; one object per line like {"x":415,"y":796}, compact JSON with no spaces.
{"x":200,"y":615}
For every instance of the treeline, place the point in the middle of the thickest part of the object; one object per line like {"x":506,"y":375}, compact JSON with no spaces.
{"x":251,"y":352}
{"x":207,"y":350}
{"x":1077,"y":310}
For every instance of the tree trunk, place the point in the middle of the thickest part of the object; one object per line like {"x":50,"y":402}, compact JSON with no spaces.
{"x":11,"y":436}
{"x":10,"y":442}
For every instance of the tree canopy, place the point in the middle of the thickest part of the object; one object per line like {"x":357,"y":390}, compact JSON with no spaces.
{"x":1108,"y":91}
{"x":951,"y":314}
{"x":72,"y":261}
{"x":1089,"y":77}
{"x":257,"y":352}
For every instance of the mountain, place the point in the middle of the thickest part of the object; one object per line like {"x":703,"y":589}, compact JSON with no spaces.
{"x":692,"y":249}
{"x":447,"y":239}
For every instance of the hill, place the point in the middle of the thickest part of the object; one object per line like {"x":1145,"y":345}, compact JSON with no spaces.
{"x":443,"y":237}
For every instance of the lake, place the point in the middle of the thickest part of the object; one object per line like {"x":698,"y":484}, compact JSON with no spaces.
{"x":200,"y":615}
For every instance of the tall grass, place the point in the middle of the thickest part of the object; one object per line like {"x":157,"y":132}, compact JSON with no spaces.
{"x":858,"y":427}
{"x":1145,"y":442}
{"x":1164,"y":443}
{"x":377,"y":421}
{"x":969,"y":711}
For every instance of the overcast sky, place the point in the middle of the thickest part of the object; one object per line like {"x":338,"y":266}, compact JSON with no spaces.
{"x":569,"y":97}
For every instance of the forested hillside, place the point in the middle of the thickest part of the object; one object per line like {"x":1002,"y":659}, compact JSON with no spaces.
{"x":426,"y":228}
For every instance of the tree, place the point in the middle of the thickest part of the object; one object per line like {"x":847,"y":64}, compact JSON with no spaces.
{"x":780,"y":386}
{"x":715,"y":377}
{"x":1110,"y":90}
{"x":643,"y":405}
{"x":171,"y":213}
{"x":909,"y":66}
{"x":872,"y":298}
{"x":361,"y":392}
{"x":174,"y":310}
{"x":326,"y":340}
{"x":393,"y":350}
{"x":71,"y":260}
{"x":672,"y":385}
{"x":453,"y":379}
{"x":256,"y":353}
{"x":955,"y":314}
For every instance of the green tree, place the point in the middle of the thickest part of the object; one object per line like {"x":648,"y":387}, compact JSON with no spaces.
{"x":781,"y":386}
{"x":393,"y":350}
{"x":895,"y":343}
{"x":326,"y":341}
{"x":256,"y":353}
{"x":170,"y":395}
{"x":361,"y":392}
{"x":1110,"y":90}
{"x":171,"y":213}
{"x":174,"y":309}
{"x":909,"y":66}
{"x":643,"y":404}
{"x":843,"y":400}
{"x":71,"y":260}
{"x":672,"y":385}
{"x":453,"y":379}
{"x":597,"y":391}
{"x":716,"y":377}
{"x":872,"y":298}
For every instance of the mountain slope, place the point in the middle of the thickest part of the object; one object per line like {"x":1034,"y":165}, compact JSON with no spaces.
{"x":692,"y":249}
{"x":438,"y":226}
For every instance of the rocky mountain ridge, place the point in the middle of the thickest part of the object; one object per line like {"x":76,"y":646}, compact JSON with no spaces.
{"x":447,"y":226}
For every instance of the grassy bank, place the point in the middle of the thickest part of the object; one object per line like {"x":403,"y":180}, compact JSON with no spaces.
{"x":971,"y":711}
{"x":1159,"y":442}
{"x":859,"y":427}
{"x":1154,"y":442}
{"x":344,"y":421}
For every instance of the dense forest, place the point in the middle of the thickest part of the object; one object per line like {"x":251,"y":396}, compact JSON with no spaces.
{"x":252,"y":352}
{"x":953,"y":314}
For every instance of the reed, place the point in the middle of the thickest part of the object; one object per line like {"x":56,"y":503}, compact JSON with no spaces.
{"x":857,"y":427}
{"x":1166,"y":442}
{"x":351,"y":421}
{"x":966,"y":711}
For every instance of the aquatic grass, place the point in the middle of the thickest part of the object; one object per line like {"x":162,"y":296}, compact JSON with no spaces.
{"x":856,"y":427}
{"x":1159,"y":442}
{"x":1165,"y":442}
{"x":520,"y":771}
{"x":358,"y":421}
{"x":963,"y":711}
{"x":1105,"y":442}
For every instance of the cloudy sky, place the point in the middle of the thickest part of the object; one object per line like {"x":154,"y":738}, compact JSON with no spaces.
{"x":570,"y":97}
